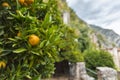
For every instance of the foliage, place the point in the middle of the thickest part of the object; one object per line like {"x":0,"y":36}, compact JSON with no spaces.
{"x":55,"y":41}
{"x":69,"y":46}
{"x":78,"y":24}
{"x":96,"y":58}
{"x":83,"y":39}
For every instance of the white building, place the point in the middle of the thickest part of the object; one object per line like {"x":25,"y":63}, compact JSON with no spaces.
{"x":66,"y":17}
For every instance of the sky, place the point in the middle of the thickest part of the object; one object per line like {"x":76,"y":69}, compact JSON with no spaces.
{"x":104,"y":13}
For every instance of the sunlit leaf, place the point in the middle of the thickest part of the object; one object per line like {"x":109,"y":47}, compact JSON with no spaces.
{"x":12,"y":39}
{"x":20,"y":50}
{"x":36,"y":53}
{"x":43,"y":43}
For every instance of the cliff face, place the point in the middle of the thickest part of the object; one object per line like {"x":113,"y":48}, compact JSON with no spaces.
{"x":112,"y":38}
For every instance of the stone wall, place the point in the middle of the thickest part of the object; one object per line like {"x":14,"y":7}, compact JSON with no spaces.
{"x":118,"y":75}
{"x":114,"y":52}
{"x":106,"y":73}
{"x":78,"y":72}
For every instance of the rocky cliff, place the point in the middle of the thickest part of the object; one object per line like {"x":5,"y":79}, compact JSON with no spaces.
{"x":112,"y":38}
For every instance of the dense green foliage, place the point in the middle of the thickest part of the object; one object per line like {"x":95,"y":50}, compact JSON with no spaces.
{"x":19,"y":60}
{"x":98,"y":58}
{"x":82,"y":31}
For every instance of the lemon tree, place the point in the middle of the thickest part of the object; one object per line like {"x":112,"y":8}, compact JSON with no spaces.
{"x":32,"y":38}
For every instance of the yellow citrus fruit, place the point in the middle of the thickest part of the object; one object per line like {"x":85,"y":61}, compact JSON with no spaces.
{"x":34,"y":40}
{"x":21,"y":1}
{"x":5,"y":4}
{"x":29,"y":1}
{"x":2,"y":64}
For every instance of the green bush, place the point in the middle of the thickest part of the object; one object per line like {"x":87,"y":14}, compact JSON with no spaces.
{"x":98,"y":58}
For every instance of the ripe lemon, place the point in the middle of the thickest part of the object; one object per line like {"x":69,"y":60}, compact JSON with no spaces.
{"x":34,"y":40}
{"x":21,"y":1}
{"x":5,"y":4}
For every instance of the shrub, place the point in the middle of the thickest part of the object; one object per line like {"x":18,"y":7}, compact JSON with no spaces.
{"x":98,"y":58}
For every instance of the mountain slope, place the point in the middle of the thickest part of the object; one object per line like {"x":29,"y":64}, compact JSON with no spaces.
{"x":110,"y":35}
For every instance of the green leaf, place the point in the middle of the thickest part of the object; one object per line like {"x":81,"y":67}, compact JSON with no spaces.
{"x":36,"y":53}
{"x":1,"y":43}
{"x":4,"y":52}
{"x":18,"y":5}
{"x":43,"y":43}
{"x":20,"y":50}
{"x":47,"y":43}
{"x":10,"y":18}
{"x":13,"y":77}
{"x":29,"y":77}
{"x":47,"y":20}
{"x":12,"y":39}
{"x":1,"y":27}
{"x":49,"y":54}
{"x":37,"y":78}
{"x":14,"y":45}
